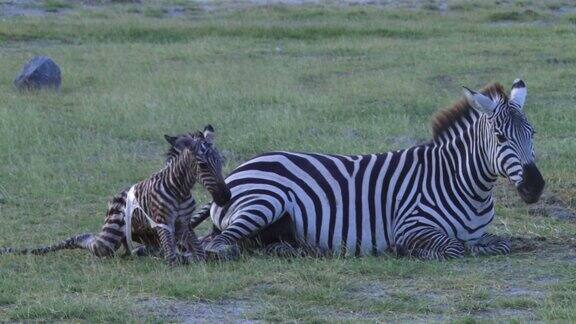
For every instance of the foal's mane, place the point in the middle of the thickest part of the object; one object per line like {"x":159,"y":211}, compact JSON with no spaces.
{"x":445,"y":118}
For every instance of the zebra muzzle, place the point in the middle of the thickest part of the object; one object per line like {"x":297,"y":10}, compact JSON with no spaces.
{"x":532,"y":185}
{"x":223,"y":197}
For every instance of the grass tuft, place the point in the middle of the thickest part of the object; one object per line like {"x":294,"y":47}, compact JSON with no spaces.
{"x":515,"y":16}
{"x":56,"y":5}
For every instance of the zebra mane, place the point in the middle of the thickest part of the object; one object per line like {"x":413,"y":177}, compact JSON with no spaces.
{"x":445,"y":118}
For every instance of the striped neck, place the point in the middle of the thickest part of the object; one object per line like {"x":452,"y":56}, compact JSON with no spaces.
{"x":468,"y":148}
{"x":179,"y":175}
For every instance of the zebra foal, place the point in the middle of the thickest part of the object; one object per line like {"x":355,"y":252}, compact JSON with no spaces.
{"x":431,"y":201}
{"x":155,"y":212}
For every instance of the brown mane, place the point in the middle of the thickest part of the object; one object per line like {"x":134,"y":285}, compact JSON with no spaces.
{"x":444,"y":118}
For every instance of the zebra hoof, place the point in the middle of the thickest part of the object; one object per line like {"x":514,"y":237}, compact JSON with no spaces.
{"x":224,"y":253}
{"x":140,"y":251}
{"x":184,"y":258}
{"x":283,"y":250}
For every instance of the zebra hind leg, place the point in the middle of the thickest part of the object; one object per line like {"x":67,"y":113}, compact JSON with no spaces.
{"x":221,"y":249}
{"x":490,"y":244}
{"x":246,"y":223}
{"x":429,"y":243}
{"x":224,"y":246}
{"x":82,"y":241}
{"x":204,"y":240}
{"x":219,"y":246}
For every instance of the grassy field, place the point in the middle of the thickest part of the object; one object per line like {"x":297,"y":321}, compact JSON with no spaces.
{"x":339,"y":79}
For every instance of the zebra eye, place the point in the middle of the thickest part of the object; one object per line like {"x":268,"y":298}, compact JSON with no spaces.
{"x":501,"y":138}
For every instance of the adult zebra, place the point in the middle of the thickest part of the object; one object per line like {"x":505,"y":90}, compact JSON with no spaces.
{"x":432,"y":201}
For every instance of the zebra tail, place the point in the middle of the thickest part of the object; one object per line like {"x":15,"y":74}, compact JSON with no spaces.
{"x":9,"y":250}
{"x":200,"y":216}
{"x":70,"y":243}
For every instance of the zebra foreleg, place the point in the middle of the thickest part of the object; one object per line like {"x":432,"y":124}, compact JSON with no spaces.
{"x":146,"y":250}
{"x":429,"y":243}
{"x":489,"y":244}
{"x":168,"y":245}
{"x":283,"y":250}
{"x":199,"y":216}
{"x":188,"y":242}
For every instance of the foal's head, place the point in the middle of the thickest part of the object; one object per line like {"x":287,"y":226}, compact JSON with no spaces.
{"x":207,"y":166}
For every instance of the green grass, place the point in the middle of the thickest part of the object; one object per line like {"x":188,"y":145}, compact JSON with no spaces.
{"x":315,"y":78}
{"x":526,"y":15}
{"x":56,"y":5}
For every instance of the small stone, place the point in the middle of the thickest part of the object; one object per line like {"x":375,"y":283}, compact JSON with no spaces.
{"x":41,"y":72}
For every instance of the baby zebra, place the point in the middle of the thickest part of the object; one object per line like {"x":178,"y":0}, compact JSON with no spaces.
{"x":156,"y":212}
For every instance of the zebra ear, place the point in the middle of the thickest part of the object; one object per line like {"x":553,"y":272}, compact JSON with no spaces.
{"x":480,"y":102}
{"x":171,"y":139}
{"x":518,"y":93}
{"x":209,"y":133}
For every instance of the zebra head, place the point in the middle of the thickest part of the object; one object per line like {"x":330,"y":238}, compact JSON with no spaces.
{"x":207,"y":166}
{"x":510,"y":138}
{"x":209,"y":163}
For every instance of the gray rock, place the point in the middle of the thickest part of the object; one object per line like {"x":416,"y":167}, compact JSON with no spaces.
{"x":41,"y":72}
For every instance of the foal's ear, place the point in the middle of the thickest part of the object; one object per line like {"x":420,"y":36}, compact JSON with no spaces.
{"x":480,"y":102}
{"x":209,"y":133}
{"x":171,"y":139}
{"x":518,"y":93}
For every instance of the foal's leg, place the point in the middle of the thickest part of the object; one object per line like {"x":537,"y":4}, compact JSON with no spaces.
{"x":187,"y":240}
{"x":167,"y":244}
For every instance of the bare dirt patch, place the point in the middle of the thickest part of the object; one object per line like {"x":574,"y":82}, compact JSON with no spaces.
{"x":525,"y":244}
{"x":198,"y":312}
{"x":550,"y":205}
{"x":21,"y":8}
{"x":539,"y":243}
